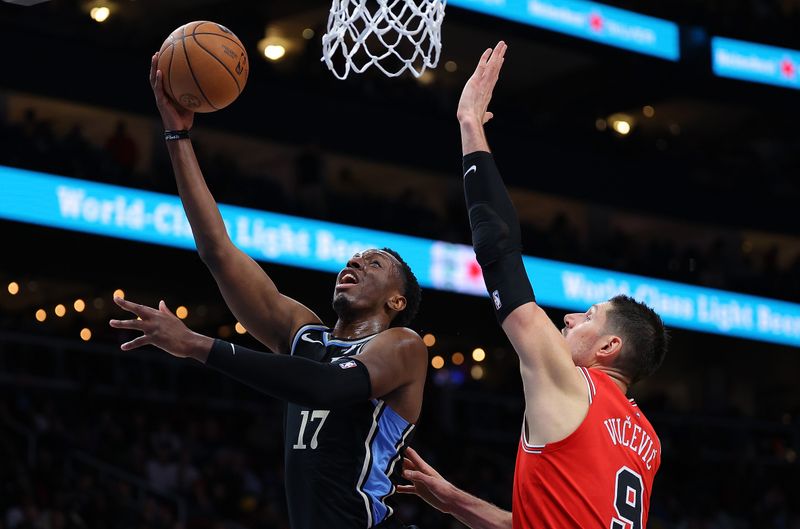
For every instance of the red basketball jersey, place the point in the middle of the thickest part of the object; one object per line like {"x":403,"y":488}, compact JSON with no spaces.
{"x":600,"y":476}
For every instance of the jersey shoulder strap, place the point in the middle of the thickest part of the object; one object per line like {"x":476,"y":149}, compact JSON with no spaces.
{"x":312,"y":333}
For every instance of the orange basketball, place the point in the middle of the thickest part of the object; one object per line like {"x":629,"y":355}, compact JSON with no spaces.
{"x":204,"y":66}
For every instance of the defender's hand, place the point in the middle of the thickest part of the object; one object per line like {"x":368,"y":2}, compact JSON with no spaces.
{"x":426,"y":482}
{"x":478,"y":91}
{"x":173,"y":116}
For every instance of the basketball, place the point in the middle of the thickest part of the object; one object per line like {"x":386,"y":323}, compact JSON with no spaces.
{"x":204,"y":66}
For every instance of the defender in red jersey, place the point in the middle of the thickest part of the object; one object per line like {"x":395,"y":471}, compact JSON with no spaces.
{"x":587,"y":455}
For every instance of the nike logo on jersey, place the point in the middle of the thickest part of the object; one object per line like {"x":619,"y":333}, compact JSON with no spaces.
{"x":306,"y":338}
{"x":472,"y":168}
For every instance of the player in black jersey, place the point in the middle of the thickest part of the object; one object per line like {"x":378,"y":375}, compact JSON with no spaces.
{"x":353,"y":391}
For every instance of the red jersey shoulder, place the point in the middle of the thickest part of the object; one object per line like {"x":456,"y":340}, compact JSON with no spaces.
{"x":624,"y":424}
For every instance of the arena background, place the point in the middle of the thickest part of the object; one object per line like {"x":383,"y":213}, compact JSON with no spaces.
{"x":702,"y":190}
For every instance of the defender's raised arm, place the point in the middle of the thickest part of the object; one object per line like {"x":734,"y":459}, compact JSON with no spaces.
{"x":548,"y":372}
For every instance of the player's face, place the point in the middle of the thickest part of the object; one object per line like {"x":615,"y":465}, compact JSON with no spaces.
{"x":368,"y":281}
{"x":584,"y":331}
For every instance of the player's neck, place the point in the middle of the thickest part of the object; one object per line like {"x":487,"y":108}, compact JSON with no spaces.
{"x":618,"y":378}
{"x":355,"y":328}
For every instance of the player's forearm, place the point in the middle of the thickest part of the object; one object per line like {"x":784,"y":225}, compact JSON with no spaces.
{"x":476,"y":513}
{"x":201,"y":209}
{"x":473,"y":137}
{"x":293,"y":379}
{"x":496,"y":235}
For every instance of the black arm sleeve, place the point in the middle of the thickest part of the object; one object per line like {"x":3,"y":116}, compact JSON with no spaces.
{"x":294,"y":379}
{"x":496,"y":235}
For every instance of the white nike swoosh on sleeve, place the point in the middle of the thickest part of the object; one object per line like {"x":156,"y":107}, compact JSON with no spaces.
{"x":306,"y":338}
{"x":472,"y":168}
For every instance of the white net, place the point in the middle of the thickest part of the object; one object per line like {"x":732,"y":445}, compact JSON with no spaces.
{"x":392,"y":35}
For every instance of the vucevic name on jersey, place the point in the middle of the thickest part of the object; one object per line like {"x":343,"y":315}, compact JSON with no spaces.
{"x":340,"y":462}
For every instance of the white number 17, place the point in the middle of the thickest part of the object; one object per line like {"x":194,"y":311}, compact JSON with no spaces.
{"x":315,"y":415}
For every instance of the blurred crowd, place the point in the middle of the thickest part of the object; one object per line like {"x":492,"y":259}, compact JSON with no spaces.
{"x":729,"y":262}
{"x":91,"y":459}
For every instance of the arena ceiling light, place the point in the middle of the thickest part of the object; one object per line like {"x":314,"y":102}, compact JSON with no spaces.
{"x":100,"y":14}
{"x":274,"y":52}
{"x":276,"y":45}
{"x":100,"y":10}
{"x":621,"y":123}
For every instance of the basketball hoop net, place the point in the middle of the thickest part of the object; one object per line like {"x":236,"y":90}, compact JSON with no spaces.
{"x":392,"y":35}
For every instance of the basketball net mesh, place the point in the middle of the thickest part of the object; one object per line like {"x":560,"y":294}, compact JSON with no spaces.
{"x":392,"y":35}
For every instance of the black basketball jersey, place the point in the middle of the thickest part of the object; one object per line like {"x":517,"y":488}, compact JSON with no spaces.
{"x":340,"y":462}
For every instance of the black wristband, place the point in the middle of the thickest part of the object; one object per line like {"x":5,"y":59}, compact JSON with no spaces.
{"x":171,"y":135}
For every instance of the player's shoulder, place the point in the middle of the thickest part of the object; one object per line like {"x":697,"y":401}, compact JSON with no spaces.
{"x":402,"y":341}
{"x":403,"y":337}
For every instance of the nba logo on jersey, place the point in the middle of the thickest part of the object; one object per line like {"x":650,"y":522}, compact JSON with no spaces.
{"x":347,"y":365}
{"x":496,"y":299}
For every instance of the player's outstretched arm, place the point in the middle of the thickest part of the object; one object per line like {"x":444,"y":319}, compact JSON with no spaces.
{"x":249,"y":292}
{"x":429,"y":485}
{"x":548,"y":372}
{"x":288,"y":378}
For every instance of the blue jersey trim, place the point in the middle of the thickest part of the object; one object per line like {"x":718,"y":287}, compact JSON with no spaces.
{"x":385,"y":448}
{"x":329,"y":340}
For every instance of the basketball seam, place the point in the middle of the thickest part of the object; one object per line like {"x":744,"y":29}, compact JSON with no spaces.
{"x":191,"y":71}
{"x":235,"y":41}
{"x":169,"y":71}
{"x":239,"y":88}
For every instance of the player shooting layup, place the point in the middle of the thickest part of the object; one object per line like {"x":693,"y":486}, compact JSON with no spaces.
{"x":587,"y":455}
{"x":353,"y":392}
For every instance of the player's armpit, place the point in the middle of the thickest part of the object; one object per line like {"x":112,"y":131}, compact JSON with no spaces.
{"x":271,"y":317}
{"x":556,"y":398}
{"x":249,"y":292}
{"x":543,"y":352}
{"x":396,"y":359}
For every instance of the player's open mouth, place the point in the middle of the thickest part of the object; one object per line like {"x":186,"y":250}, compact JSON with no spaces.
{"x":346,"y":279}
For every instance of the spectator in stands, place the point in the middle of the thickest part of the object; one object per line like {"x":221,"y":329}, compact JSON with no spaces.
{"x":122,"y":149}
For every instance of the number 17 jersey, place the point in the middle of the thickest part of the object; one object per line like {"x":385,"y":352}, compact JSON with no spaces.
{"x":600,"y":476}
{"x":340,"y":462}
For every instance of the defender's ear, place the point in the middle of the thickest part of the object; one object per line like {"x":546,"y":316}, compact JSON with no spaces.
{"x":611,"y":348}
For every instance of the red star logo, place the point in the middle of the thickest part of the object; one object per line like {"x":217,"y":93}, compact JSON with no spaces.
{"x":596,"y":22}
{"x":788,"y":68}
{"x":474,"y":271}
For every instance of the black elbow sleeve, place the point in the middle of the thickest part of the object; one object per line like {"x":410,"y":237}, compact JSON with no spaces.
{"x":484,"y":185}
{"x":496,"y":235}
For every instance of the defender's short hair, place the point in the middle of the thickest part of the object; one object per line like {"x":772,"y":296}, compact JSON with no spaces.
{"x":644,"y":338}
